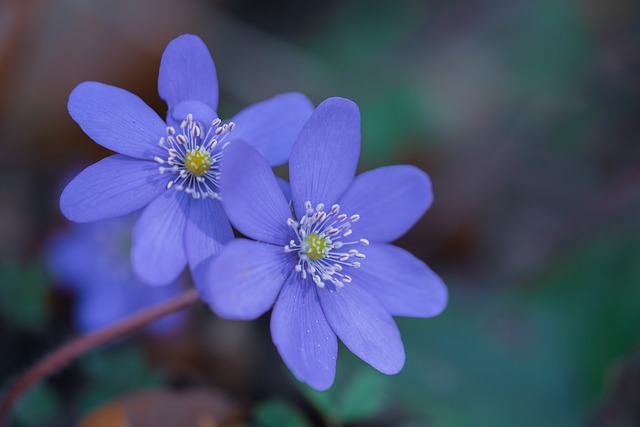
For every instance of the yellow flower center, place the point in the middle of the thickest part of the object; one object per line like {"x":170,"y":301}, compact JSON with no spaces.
{"x":316,"y":247}
{"x":198,"y":161}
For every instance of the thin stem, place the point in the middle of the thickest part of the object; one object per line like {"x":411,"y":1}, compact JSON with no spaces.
{"x":85,"y":343}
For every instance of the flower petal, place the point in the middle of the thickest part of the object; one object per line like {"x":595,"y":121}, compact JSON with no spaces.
{"x":117,"y":120}
{"x":302,"y":335}
{"x":101,"y":307}
{"x":187,"y":73}
{"x":325,"y":155}
{"x":285,"y":187}
{"x":389,"y":200}
{"x":252,"y":197}
{"x":243,"y":280}
{"x":158,"y":255}
{"x":116,"y":185}
{"x":403,"y":284}
{"x":364,"y":326}
{"x":272,"y":126}
{"x":207,"y":230}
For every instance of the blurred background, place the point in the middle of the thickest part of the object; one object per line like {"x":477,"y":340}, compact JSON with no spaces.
{"x":525,"y":113}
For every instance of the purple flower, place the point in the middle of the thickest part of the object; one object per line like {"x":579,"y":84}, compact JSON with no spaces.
{"x":328,"y":267}
{"x":171,"y":169}
{"x":92,"y":262}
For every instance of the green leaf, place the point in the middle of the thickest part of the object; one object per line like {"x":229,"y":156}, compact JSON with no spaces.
{"x":359,"y":391}
{"x":279,"y":413}
{"x":23,"y":296}
{"x":37,"y":407}
{"x":114,"y":371}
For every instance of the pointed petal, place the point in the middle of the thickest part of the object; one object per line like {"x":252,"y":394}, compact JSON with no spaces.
{"x":272,"y":126}
{"x":251,"y":196}
{"x":207,"y":230}
{"x":325,"y":155}
{"x":158,"y":255}
{"x":116,"y":185}
{"x":117,"y":120}
{"x":243,"y":280}
{"x":302,"y":335}
{"x":403,"y":284}
{"x":390,"y":200}
{"x":187,"y":73}
{"x":364,"y":326}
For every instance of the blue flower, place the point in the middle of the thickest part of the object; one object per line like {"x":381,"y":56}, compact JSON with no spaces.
{"x":92,"y":262}
{"x":171,"y":169}
{"x":324,"y":261}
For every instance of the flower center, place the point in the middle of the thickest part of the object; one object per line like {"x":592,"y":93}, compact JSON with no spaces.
{"x":320,"y":238}
{"x":316,"y":247}
{"x":194,"y":157}
{"x":198,"y":161}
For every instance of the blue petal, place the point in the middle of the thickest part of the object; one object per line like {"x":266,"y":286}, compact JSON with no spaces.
{"x":251,"y":196}
{"x":117,"y":120}
{"x":389,"y":200}
{"x":187,"y":73}
{"x":243,"y":280}
{"x":325,"y":155}
{"x":201,"y":113}
{"x":116,"y":185}
{"x":101,"y":307}
{"x":158,"y":255}
{"x":272,"y":126}
{"x":207,"y":230}
{"x":147,"y":296}
{"x":285,"y":187}
{"x":400,"y":281}
{"x":304,"y":339}
{"x":364,"y":326}
{"x":65,"y":256}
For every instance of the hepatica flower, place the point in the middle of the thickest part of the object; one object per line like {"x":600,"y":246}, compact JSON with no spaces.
{"x":324,"y":262}
{"x":92,"y":262}
{"x":172,"y":168}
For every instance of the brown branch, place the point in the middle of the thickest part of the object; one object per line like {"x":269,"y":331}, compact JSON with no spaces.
{"x":85,"y":343}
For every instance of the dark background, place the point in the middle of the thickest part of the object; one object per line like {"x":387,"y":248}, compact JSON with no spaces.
{"x":525,"y":113}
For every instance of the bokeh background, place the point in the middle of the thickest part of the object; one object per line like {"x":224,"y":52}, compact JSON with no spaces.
{"x":525,"y":113}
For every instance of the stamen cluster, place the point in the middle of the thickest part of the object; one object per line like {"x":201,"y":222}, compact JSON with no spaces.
{"x":319,"y":236}
{"x":195,"y":157}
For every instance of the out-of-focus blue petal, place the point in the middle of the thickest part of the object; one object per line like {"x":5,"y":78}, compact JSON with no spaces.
{"x":302,"y":335}
{"x":243,"y":280}
{"x":158,"y":254}
{"x":117,"y":120}
{"x":325,"y":155}
{"x":364,"y":326}
{"x":251,"y":196}
{"x":115,"y":186}
{"x":101,"y":307}
{"x":187,"y":73}
{"x":207,"y":230}
{"x":146,"y":296}
{"x":389,"y":201}
{"x":66,"y":256}
{"x":401,"y":282}
{"x":271,"y":126}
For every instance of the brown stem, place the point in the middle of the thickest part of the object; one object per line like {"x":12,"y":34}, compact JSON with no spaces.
{"x":85,"y":343}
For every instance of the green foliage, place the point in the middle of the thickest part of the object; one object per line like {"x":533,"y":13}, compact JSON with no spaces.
{"x":359,"y":391}
{"x":112,"y":372}
{"x":37,"y":407}
{"x":278,"y":413}
{"x":23,"y":296}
